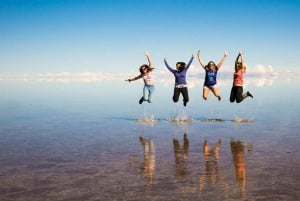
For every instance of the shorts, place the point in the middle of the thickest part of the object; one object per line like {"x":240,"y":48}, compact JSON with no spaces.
{"x":209,"y":87}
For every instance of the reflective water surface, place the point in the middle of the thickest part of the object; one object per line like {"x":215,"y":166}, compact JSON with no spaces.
{"x":93,"y":141}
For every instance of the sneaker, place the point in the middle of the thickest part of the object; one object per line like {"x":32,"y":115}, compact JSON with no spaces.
{"x":184,"y":103}
{"x":141,"y":100}
{"x":249,"y":94}
{"x":149,"y":101}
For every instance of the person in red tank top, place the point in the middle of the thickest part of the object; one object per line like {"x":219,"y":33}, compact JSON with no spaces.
{"x":238,"y":81}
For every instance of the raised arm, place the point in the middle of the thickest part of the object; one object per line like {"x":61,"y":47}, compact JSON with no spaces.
{"x":242,"y":59}
{"x":149,"y":60}
{"x":190,"y":62}
{"x":167,"y":65}
{"x":237,"y":58}
{"x":200,"y":60}
{"x":222,"y":60}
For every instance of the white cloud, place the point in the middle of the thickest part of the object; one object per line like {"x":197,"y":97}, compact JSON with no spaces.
{"x":258,"y":75}
{"x":261,"y":69}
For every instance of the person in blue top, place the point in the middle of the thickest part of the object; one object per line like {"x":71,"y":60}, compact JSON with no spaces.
{"x":211,"y":71}
{"x":180,"y":79}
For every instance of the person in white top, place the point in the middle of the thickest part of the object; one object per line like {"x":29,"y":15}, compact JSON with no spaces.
{"x":146,"y":74}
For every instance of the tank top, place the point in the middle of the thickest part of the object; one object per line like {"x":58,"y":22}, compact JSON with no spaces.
{"x":238,"y":78}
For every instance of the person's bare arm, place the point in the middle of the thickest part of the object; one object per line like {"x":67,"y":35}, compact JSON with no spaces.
{"x":134,"y":79}
{"x":149,"y":60}
{"x":242,"y":61}
{"x":237,"y":58}
{"x":200,"y":60}
{"x":222,"y":60}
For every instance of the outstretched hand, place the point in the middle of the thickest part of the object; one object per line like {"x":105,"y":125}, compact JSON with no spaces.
{"x":225,"y":54}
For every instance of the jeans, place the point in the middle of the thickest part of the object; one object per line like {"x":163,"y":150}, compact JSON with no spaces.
{"x":150,"y":89}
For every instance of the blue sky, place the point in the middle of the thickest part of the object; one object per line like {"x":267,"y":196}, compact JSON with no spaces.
{"x":45,"y":36}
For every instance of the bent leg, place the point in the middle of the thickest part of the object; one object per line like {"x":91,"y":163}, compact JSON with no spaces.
{"x":232,"y":94}
{"x":185,"y":95}
{"x":205,"y":92}
{"x":151,"y":89}
{"x":239,"y":94}
{"x":176,"y":94}
{"x":145,"y":89}
{"x":216,"y":92}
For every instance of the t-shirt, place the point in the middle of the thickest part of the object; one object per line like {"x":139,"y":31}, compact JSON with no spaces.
{"x":148,"y":78}
{"x":210,"y":77}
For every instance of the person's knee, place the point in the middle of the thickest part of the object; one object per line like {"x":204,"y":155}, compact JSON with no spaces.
{"x":175,"y":99}
{"x":239,"y":100}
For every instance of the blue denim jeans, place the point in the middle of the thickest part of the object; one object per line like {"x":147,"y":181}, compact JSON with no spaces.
{"x":150,"y":89}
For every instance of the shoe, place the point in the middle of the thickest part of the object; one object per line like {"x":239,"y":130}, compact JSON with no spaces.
{"x":219,"y":98}
{"x":141,"y":100}
{"x":149,"y":101}
{"x":249,"y":94}
{"x":184,"y":103}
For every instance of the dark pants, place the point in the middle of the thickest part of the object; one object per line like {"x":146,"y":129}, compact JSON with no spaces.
{"x":183,"y":91}
{"x":237,"y":94}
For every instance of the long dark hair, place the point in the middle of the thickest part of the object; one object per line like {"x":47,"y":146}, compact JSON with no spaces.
{"x":144,"y":66}
{"x":180,"y":66}
{"x":236,"y":67}
{"x":210,"y":63}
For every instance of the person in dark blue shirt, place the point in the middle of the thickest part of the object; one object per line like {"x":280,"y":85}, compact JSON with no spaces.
{"x":211,"y":71}
{"x":180,"y":79}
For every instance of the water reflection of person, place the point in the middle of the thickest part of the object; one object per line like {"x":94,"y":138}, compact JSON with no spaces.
{"x":181,"y":154}
{"x":148,"y":165}
{"x":238,"y":150}
{"x":211,"y":158}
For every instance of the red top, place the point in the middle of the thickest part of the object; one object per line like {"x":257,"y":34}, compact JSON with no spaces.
{"x":238,"y":78}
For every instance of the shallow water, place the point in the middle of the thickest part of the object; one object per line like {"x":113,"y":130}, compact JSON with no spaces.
{"x":79,"y":141}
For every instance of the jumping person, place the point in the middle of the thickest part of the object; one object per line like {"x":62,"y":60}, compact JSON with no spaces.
{"x":236,"y":93}
{"x":180,"y":79}
{"x":211,"y":71}
{"x":146,"y":74}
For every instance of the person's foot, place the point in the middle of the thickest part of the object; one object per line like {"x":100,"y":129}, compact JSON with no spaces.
{"x":141,"y":100}
{"x":249,"y":94}
{"x":219,"y":98}
{"x":149,"y":101}
{"x":184,"y":103}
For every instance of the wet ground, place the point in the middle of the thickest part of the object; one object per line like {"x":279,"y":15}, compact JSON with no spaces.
{"x":50,"y":151}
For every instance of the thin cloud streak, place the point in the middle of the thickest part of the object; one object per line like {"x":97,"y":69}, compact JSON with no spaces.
{"x":259,"y":76}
